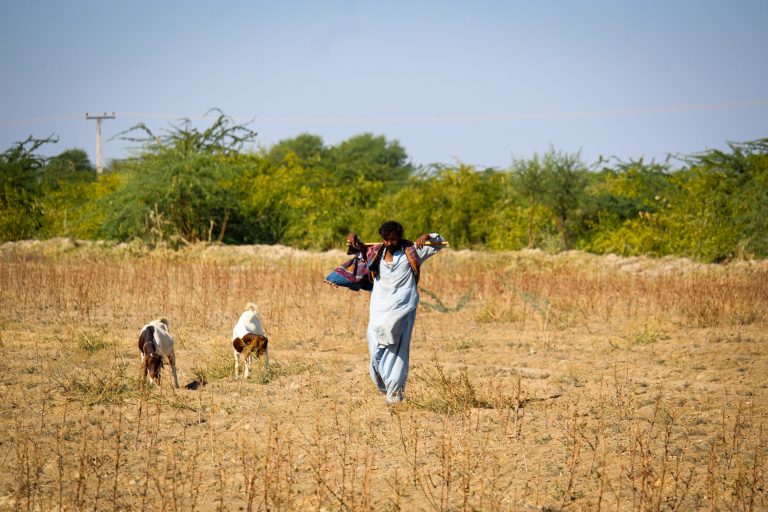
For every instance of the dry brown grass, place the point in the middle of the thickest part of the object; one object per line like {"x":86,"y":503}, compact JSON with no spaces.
{"x":561,"y":382}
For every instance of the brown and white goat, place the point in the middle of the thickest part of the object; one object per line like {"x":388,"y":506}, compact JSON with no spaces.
{"x":249,"y":338}
{"x":155,"y":342}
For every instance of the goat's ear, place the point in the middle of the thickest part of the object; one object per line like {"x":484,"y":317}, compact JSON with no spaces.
{"x":238,"y":344}
{"x":262,"y":347}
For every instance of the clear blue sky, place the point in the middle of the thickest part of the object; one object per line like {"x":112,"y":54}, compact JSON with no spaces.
{"x":481,"y":82}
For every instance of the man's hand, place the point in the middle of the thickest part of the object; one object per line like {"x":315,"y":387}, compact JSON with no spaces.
{"x":354,"y":241}
{"x":419,"y":242}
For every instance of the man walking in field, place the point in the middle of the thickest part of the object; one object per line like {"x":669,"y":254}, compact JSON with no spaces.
{"x":390,"y":270}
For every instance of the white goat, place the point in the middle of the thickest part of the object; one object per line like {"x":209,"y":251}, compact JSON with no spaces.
{"x":155,"y":342}
{"x":248,"y":337}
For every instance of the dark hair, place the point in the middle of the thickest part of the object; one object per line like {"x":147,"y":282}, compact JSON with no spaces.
{"x":391,"y":227}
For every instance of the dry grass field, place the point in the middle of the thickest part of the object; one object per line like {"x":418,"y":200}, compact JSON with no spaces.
{"x":538,"y":382}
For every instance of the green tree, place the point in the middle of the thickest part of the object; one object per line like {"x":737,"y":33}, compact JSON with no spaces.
{"x":304,"y":194}
{"x":626,"y":205}
{"x":308,"y":148}
{"x":21,"y":201}
{"x":65,"y":184}
{"x":177,"y":188}
{"x":67,"y":166}
{"x":719,"y":211}
{"x":530,"y":183}
{"x":515,"y":219}
{"x":457,"y":201}
{"x":564,"y":179}
{"x":263,"y":190}
{"x":372,"y":157}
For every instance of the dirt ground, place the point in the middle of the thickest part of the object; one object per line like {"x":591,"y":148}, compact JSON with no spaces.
{"x":538,"y":382}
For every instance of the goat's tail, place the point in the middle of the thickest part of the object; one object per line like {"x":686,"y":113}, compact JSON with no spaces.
{"x":253,"y":307}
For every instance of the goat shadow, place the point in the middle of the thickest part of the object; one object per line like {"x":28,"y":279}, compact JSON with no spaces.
{"x":195,"y":384}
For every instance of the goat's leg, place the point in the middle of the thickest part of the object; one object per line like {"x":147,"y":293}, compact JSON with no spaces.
{"x":143,"y":372}
{"x":237,"y":363}
{"x":247,"y":364}
{"x":172,"y":360}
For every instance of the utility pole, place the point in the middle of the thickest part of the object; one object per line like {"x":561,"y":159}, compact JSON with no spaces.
{"x":98,"y":118}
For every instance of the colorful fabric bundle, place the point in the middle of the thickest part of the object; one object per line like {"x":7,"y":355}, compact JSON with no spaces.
{"x":352,"y":274}
{"x":359,"y":272}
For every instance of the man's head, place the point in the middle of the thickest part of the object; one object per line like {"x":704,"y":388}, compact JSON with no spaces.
{"x":391,"y":233}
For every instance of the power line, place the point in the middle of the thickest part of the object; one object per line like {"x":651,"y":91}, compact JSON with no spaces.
{"x":38,"y":120}
{"x":450,"y":119}
{"x":428,"y":119}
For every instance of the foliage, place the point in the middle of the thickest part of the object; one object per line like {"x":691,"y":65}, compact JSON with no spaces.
{"x":223,"y":137}
{"x":711,"y":210}
{"x":723,"y":202}
{"x":457,"y":200}
{"x":563,"y":181}
{"x":20,"y":189}
{"x":308,"y":148}
{"x":194,"y":184}
{"x":68,"y":183}
{"x":176,"y":190}
{"x":514,"y":220}
{"x":370,"y":157}
{"x":625,"y":205}
{"x":530,"y":184}
{"x":304,"y":194}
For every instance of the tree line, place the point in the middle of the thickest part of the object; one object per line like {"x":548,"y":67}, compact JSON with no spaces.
{"x":189,"y":185}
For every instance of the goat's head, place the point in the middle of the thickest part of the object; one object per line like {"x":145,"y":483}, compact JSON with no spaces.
{"x":152,"y":363}
{"x":251,"y":344}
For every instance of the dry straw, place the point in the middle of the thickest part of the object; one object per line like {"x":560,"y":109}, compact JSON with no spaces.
{"x":543,"y":382}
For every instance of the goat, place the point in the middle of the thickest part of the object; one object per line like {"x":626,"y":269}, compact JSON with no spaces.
{"x":155,"y":342}
{"x":248,"y":337}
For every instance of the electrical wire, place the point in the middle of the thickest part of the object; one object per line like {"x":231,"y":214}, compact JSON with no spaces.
{"x":424,"y":119}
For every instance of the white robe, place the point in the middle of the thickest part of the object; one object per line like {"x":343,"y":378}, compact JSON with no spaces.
{"x":392,"y":315}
